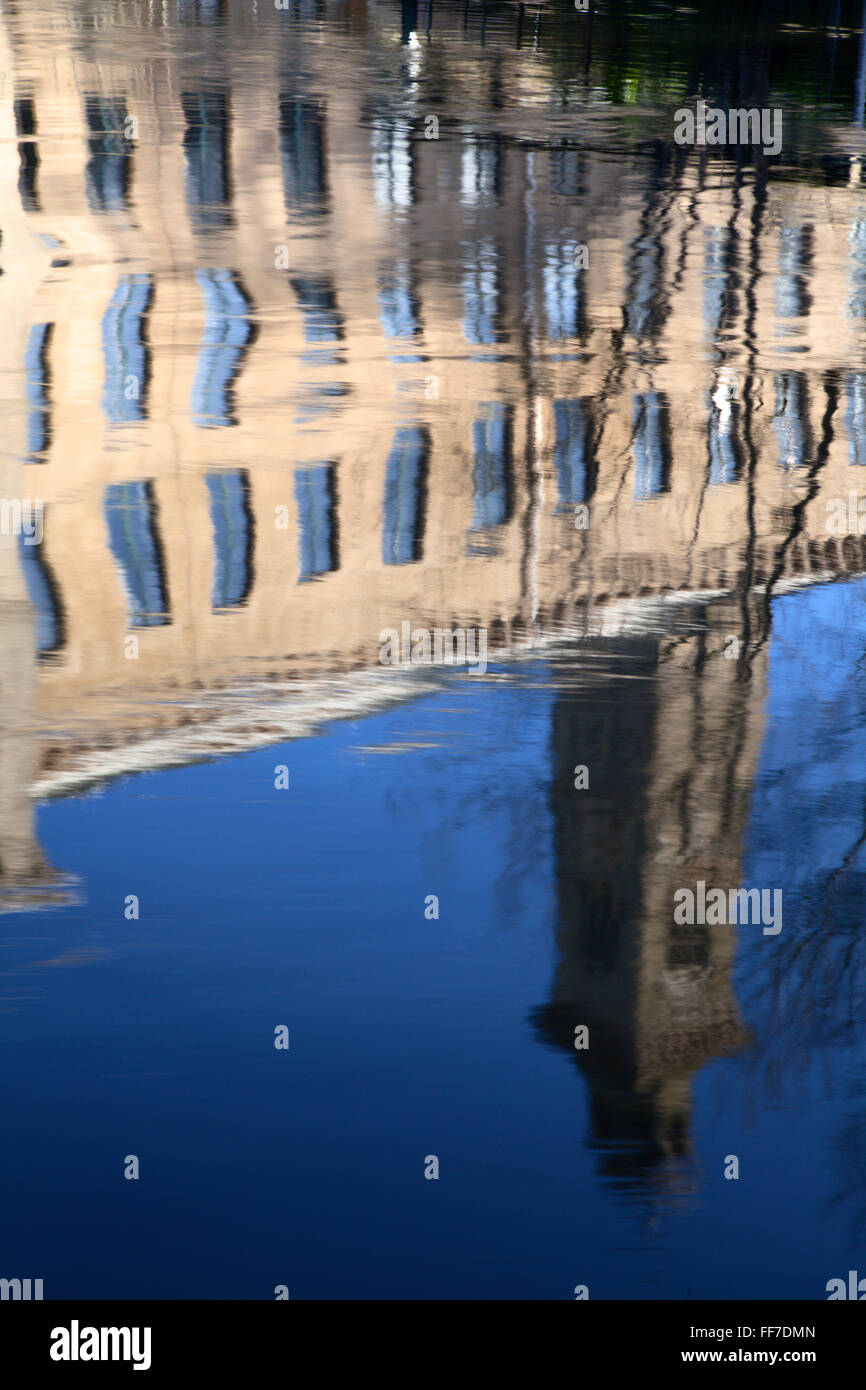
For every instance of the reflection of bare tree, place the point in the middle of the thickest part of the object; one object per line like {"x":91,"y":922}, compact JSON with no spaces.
{"x":804,"y":990}
{"x":847,"y":1166}
{"x":511,"y":794}
{"x":810,"y":986}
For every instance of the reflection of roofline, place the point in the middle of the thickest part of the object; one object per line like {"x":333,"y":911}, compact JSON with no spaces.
{"x":220,"y":722}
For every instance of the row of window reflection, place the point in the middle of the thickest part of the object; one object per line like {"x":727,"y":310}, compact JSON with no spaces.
{"x":132,"y":522}
{"x":795,"y":254}
{"x":133,"y":531}
{"x":303,"y":156}
{"x":228,"y":332}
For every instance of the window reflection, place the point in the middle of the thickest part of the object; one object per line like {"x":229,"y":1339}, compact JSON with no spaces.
{"x":393,"y":161}
{"x":130,"y":511}
{"x":206,"y":147}
{"x":855,"y":417}
{"x":481,"y":292}
{"x":403,"y":509}
{"x":38,"y":378}
{"x":790,"y":423}
{"x":317,"y":520}
{"x":109,"y":168}
{"x":125,"y":350}
{"x":44,"y":595}
{"x":570,"y":452}
{"x":28,"y":156}
{"x":651,"y":451}
{"x":491,"y":444}
{"x":227,"y":332}
{"x":303,"y":154}
{"x":232,"y":522}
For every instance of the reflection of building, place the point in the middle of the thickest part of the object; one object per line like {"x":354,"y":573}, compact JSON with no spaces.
{"x":670,"y":736}
{"x":299,"y":373}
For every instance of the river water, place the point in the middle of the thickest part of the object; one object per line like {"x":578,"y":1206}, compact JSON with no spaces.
{"x":328,"y":966}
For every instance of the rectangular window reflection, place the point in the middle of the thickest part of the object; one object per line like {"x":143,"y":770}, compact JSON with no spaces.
{"x":232,"y":522}
{"x":855,"y":417}
{"x":651,"y":452}
{"x":130,"y":512}
{"x":38,"y":378}
{"x":206,"y":146}
{"x":28,"y":156}
{"x":227,"y":332}
{"x":109,"y":169}
{"x":569,"y":454}
{"x":393,"y":162}
{"x":405,"y":479}
{"x":317,"y":520}
{"x":561,"y":279}
{"x":491,"y":442}
{"x":790,"y":422}
{"x":303,"y":154}
{"x":480,"y":285}
{"x":43,"y":594}
{"x":398,"y":311}
{"x":125,"y":350}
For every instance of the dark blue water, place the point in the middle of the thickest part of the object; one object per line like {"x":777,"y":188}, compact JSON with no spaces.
{"x":332,"y":320}
{"x":412,"y":1037}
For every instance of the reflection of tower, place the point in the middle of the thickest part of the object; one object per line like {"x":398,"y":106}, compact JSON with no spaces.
{"x":670,"y":738}
{"x":25,"y":879}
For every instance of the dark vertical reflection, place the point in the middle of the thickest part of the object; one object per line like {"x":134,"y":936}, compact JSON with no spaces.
{"x":492,"y":487}
{"x":482,"y":292}
{"x":855,"y":416}
{"x":393,"y":160}
{"x":651,"y":443}
{"x":124,"y":344}
{"x":724,"y":441}
{"x":28,"y":155}
{"x":133,"y":535}
{"x":405,"y":496}
{"x":303,"y":146}
{"x":400,"y":311}
{"x":572,"y":452}
{"x":657,"y":999}
{"x":315,"y":494}
{"x":791,"y":420}
{"x":600,"y":847}
{"x":567,"y":166}
{"x":646,"y":306}
{"x":322,"y":320}
{"x":408,"y":19}
{"x":227,"y":334}
{"x":206,"y":147}
{"x":109,"y":169}
{"x":38,"y":372}
{"x":44,"y":594}
{"x":232,"y":521}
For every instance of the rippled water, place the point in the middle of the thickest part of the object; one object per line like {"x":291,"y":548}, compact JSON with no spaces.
{"x":341,"y":320}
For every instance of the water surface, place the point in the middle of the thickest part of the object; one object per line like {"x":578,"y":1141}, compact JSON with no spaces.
{"x":324,"y":320}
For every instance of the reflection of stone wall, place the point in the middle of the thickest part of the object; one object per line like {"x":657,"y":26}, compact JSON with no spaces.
{"x":642,"y":335}
{"x":671,"y":738}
